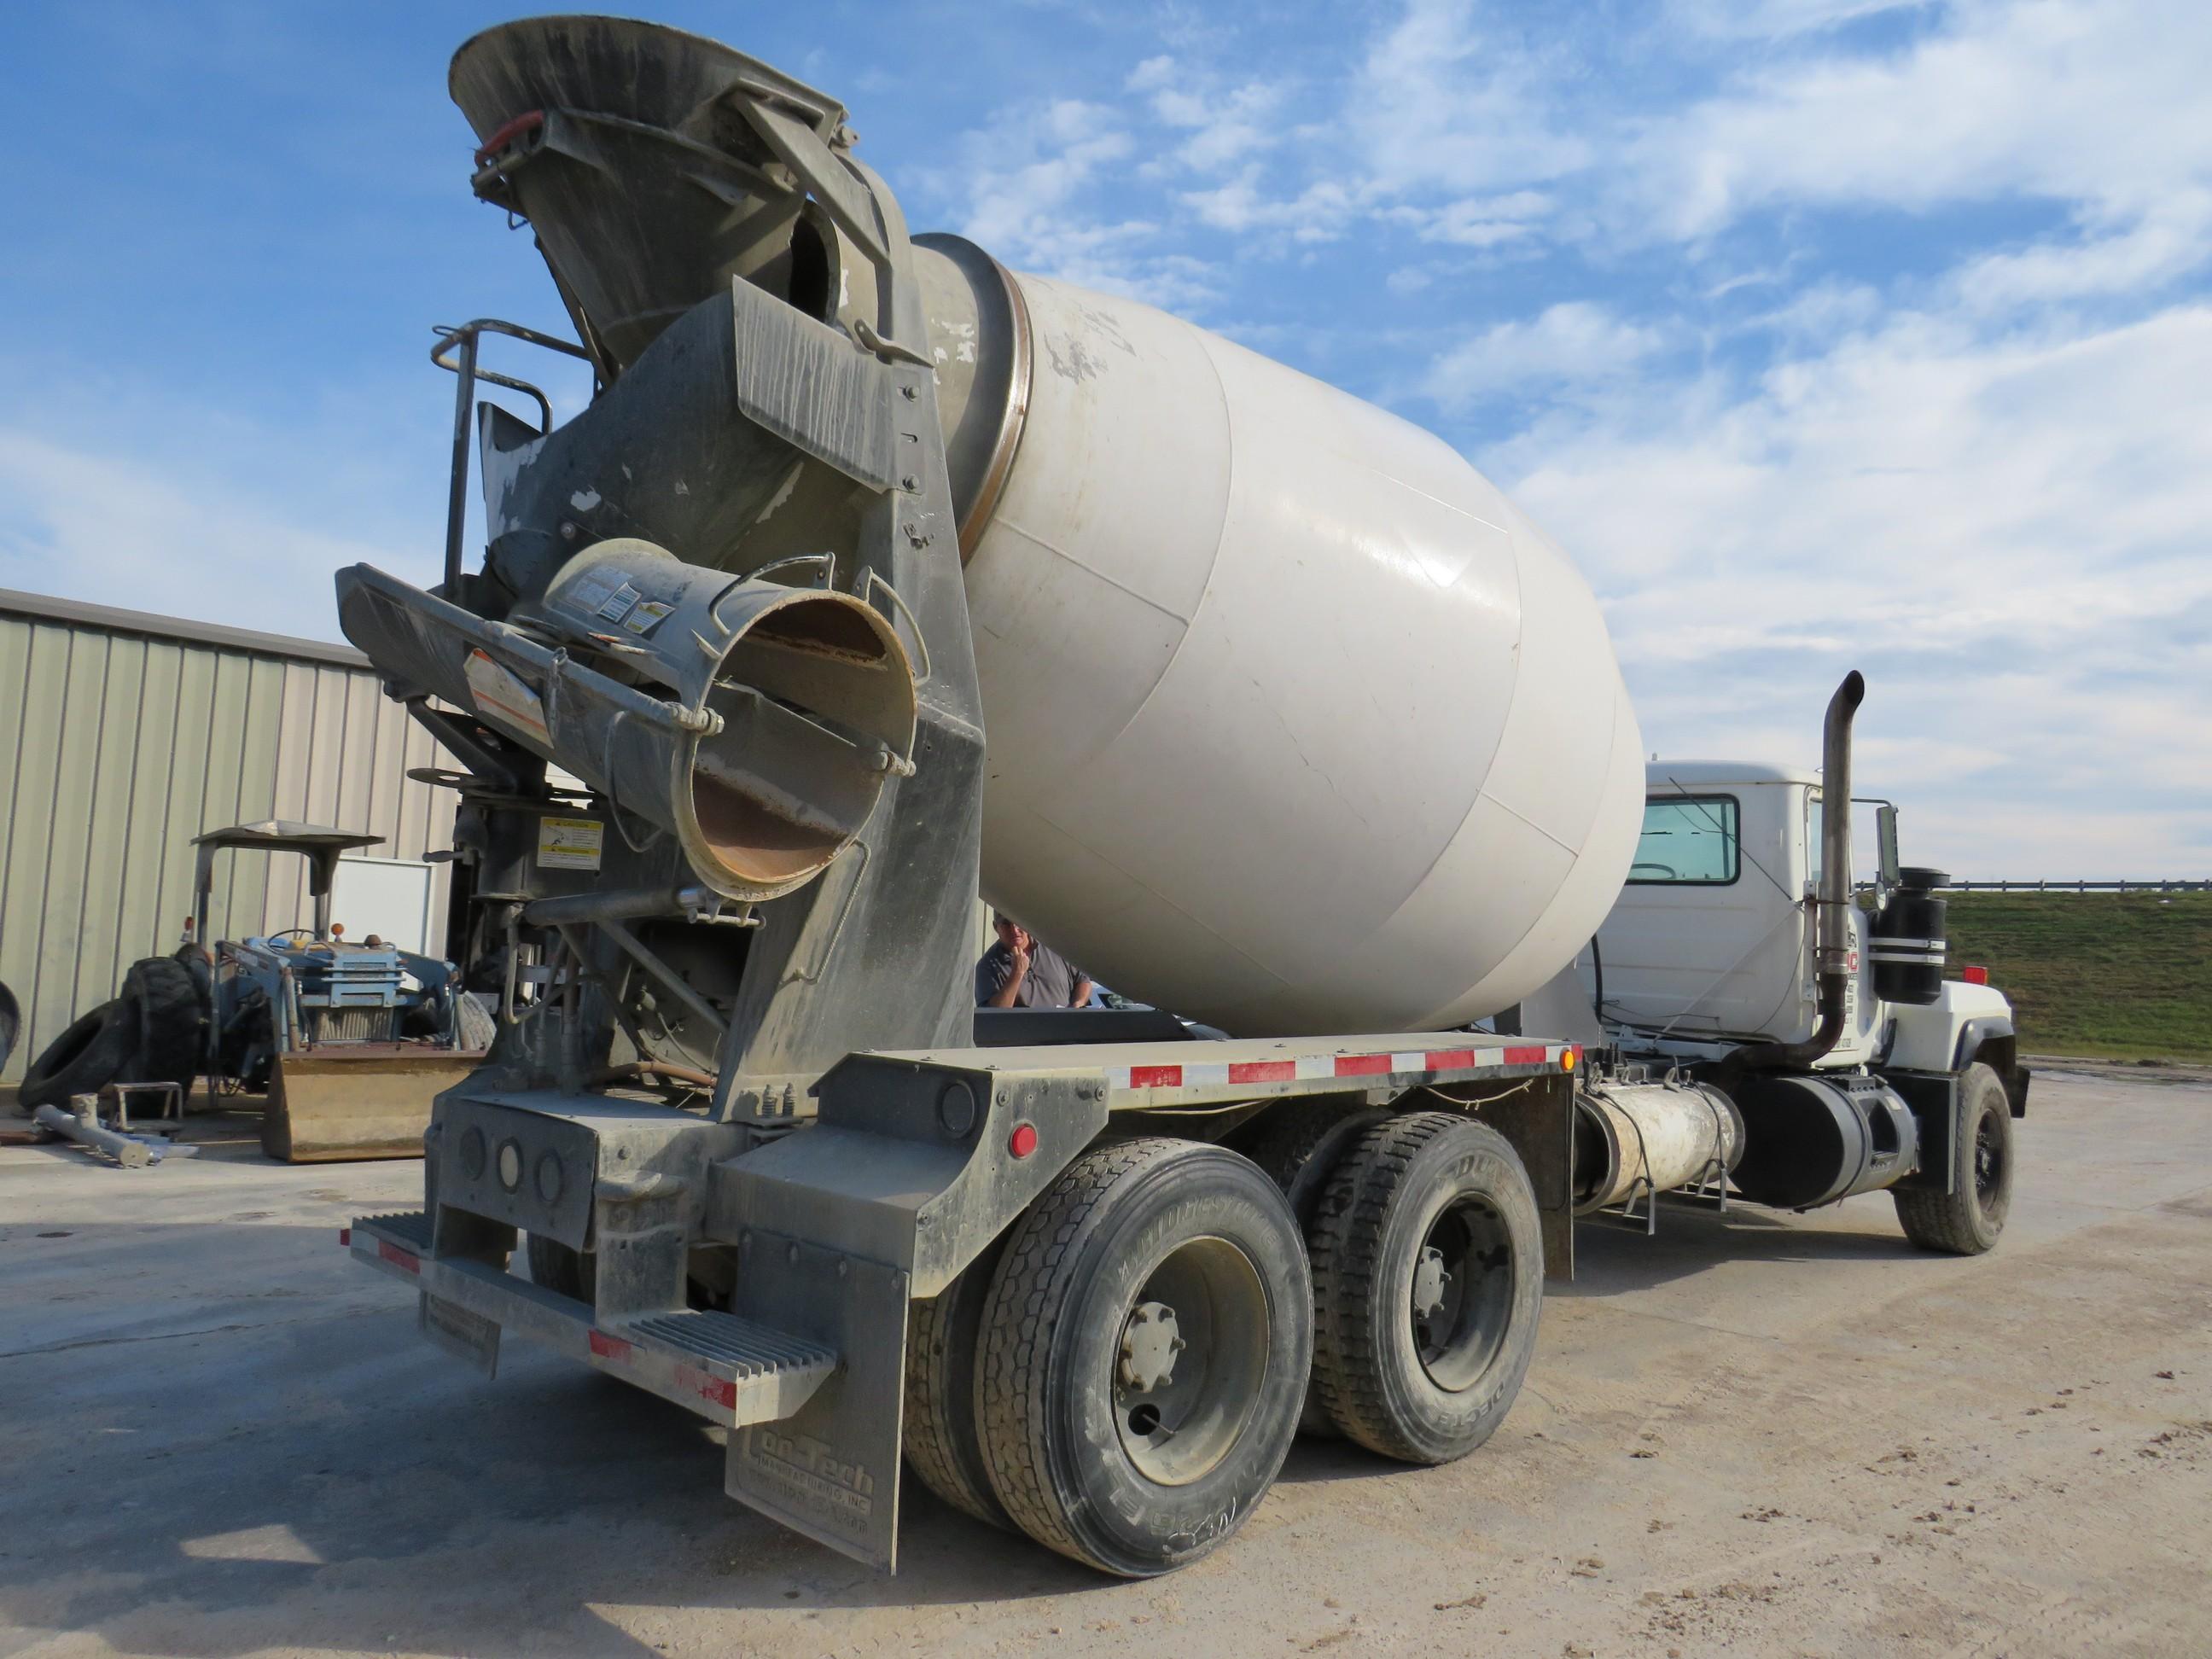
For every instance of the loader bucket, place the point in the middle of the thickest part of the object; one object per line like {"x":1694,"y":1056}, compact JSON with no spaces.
{"x":344,"y":1103}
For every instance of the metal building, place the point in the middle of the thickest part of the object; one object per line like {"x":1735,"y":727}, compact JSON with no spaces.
{"x":124,"y":735}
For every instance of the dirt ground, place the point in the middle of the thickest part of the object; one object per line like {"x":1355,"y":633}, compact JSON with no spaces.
{"x":1756,"y":1434}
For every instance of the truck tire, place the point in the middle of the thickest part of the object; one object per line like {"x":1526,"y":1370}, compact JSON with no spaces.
{"x":943,"y":1445}
{"x":167,"y":1018}
{"x":1969,"y":1218}
{"x":565,"y":1272}
{"x":1145,"y":1351}
{"x":1428,"y":1269}
{"x":88,"y":1055}
{"x":1298,"y":1145}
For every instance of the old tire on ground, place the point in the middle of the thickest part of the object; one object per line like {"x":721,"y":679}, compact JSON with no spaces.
{"x":1144,"y":1354}
{"x":1970,"y":1218}
{"x":474,"y":1026}
{"x":942,"y":1446}
{"x":167,"y":1017}
{"x":561,"y":1270}
{"x":1298,"y":1144}
{"x":89,"y":1054}
{"x":11,"y":1023}
{"x":1428,"y":1267}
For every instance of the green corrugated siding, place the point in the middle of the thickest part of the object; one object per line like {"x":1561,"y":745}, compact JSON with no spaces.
{"x":116,"y":750}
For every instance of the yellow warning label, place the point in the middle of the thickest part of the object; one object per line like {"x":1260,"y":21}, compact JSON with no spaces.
{"x":569,"y":843}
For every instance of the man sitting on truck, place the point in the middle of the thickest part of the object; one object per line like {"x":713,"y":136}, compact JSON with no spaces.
{"x":1017,"y":972}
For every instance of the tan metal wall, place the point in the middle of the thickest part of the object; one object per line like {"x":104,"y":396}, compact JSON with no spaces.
{"x":122,"y":736}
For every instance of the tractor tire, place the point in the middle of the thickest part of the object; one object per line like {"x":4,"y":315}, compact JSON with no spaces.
{"x":474,"y":1026}
{"x":11,"y":1023}
{"x":89,"y":1054}
{"x":1144,"y":1352}
{"x":1298,"y":1145}
{"x":1428,"y":1269}
{"x":565,"y":1272}
{"x":1969,"y":1218}
{"x":942,"y":1446}
{"x":167,"y":1017}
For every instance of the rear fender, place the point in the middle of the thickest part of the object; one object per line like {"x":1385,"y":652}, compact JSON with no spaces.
{"x":906,"y":1177}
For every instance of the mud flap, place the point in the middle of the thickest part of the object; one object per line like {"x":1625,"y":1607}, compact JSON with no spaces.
{"x":461,"y":1333}
{"x":831,"y":1470}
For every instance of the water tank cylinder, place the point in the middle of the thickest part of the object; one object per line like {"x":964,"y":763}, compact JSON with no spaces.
{"x":1294,"y":722}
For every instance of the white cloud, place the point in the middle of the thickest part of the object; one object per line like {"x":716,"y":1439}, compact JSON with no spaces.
{"x":1029,"y":164}
{"x":2061,"y":100}
{"x":1027,"y":188}
{"x":1437,"y":104}
{"x":1321,"y":213}
{"x":2172,"y":237}
{"x":2010,"y":533}
{"x":1571,"y":342}
{"x":1482,"y":221}
{"x":176,"y":540}
{"x":1224,"y":126}
{"x":1773,"y":18}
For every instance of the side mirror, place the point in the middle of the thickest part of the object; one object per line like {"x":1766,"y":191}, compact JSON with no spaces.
{"x":1885,"y":830}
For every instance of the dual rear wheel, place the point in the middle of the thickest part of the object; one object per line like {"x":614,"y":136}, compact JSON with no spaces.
{"x":1122,"y":1377}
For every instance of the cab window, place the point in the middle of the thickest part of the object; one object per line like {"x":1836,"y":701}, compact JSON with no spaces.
{"x":1687,"y":841}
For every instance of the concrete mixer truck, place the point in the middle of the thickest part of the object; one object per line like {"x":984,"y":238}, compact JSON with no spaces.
{"x":874,"y":575}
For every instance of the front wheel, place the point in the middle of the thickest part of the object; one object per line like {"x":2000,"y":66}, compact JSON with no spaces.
{"x":1144,"y":1355}
{"x":1969,"y":1218}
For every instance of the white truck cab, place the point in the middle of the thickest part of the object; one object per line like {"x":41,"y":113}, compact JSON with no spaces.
{"x":1711,"y":943}
{"x":1768,"y":1024}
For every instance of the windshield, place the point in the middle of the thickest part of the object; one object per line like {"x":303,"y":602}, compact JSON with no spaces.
{"x":1688,"y":840}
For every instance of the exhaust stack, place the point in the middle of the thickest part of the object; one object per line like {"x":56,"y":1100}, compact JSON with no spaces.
{"x":1832,"y":946}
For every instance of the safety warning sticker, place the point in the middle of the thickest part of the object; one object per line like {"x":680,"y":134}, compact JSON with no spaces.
{"x":504,"y":697}
{"x":569,"y":843}
{"x":618,"y":603}
{"x":644,"y":616}
{"x":589,"y":591}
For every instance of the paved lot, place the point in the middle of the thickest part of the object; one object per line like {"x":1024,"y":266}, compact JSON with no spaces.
{"x":1766,"y":1435}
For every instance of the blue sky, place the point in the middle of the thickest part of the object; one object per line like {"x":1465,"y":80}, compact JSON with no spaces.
{"x":1823,"y":333}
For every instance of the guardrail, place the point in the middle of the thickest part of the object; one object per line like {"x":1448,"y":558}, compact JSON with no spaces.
{"x":2047,"y":887}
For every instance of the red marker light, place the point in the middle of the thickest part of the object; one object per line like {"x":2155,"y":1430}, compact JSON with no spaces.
{"x":1023,"y":1141}
{"x":1975,"y":975}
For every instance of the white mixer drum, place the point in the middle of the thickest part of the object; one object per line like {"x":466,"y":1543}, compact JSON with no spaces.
{"x":1294,"y":724}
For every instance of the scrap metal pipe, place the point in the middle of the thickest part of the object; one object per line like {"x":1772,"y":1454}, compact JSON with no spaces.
{"x":128,"y":1151}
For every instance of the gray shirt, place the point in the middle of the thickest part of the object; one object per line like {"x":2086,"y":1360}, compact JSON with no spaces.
{"x":1050,"y":983}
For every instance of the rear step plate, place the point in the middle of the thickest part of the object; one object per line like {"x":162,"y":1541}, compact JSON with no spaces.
{"x":731,"y":1370}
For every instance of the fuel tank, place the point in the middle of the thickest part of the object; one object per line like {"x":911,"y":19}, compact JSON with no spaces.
{"x":1294,"y":721}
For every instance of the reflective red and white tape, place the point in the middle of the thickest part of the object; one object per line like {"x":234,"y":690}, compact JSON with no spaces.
{"x":1301,"y":1068}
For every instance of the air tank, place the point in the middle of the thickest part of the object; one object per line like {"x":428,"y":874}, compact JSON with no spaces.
{"x":1294,"y":722}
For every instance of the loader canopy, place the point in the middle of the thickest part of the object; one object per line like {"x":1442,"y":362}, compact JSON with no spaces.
{"x":320,"y":844}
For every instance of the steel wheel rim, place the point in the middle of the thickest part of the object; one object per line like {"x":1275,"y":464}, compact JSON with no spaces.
{"x":1179,"y":1430}
{"x":1988,"y":1160}
{"x":1459,"y":1326}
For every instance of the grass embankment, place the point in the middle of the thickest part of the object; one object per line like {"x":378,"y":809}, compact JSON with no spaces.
{"x":2108,"y":975}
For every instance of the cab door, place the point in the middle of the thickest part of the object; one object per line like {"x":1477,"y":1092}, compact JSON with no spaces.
{"x":1710,"y":935}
